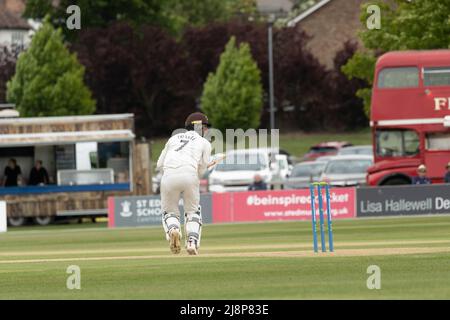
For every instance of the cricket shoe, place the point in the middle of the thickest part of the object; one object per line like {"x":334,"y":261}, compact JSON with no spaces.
{"x":175,"y":240}
{"x":191,"y":247}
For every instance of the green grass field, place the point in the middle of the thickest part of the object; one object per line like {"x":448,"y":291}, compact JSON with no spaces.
{"x":239,"y":261}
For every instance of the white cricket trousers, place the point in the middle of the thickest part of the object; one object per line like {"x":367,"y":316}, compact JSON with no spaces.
{"x":174,"y":182}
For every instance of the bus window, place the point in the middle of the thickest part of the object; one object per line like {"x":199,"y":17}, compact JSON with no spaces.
{"x":397,"y":143}
{"x":438,"y":141}
{"x":439,"y":76}
{"x":407,"y":77}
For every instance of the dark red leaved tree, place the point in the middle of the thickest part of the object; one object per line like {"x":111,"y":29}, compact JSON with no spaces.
{"x":147,"y":72}
{"x":300,"y":83}
{"x":346,"y":110}
{"x":298,"y":75}
{"x":8,"y":59}
{"x":204,"y":45}
{"x":143,"y":71}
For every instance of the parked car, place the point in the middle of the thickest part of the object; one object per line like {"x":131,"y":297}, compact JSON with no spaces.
{"x":363,"y":150}
{"x":325,"y":149}
{"x":290,"y":158}
{"x":348,"y":170}
{"x":283,"y":167}
{"x":325,"y":158}
{"x":304,"y":173}
{"x":237,"y":171}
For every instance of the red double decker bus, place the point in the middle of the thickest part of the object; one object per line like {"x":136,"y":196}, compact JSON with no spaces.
{"x":410,"y":116}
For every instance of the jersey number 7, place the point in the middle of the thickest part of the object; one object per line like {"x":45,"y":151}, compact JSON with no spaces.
{"x":183,"y":144}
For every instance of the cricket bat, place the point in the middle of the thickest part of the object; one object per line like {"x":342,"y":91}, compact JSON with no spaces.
{"x":213,"y":163}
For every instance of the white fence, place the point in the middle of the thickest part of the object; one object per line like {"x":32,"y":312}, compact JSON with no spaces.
{"x":3,"y":225}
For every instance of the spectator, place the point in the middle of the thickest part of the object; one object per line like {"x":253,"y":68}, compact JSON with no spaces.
{"x":422,"y":176}
{"x":38,"y":175}
{"x":447,"y":175}
{"x":258,"y":184}
{"x":12,"y":174}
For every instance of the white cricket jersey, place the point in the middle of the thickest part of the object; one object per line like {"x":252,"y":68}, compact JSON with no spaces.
{"x":187,"y":149}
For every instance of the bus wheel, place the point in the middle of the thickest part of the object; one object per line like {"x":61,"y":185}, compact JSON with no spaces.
{"x":43,"y":221}
{"x":16,"y":221}
{"x":396,"y":181}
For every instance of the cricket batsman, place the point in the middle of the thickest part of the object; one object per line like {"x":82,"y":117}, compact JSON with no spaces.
{"x":183,"y":161}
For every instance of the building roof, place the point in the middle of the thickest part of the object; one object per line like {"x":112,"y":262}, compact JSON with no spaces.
{"x":9,"y":20}
{"x":53,"y":138}
{"x":67,"y":119}
{"x":308,"y":12}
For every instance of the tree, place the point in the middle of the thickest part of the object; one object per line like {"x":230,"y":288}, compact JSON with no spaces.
{"x":345,"y":108}
{"x":299,"y":77}
{"x":298,"y":6}
{"x":100,"y":13}
{"x":300,"y":81}
{"x":197,"y":12}
{"x":232,"y":97}
{"x":8,"y":59}
{"x":362,"y":66}
{"x":126,"y":73}
{"x":243,"y":7}
{"x":141,"y":70}
{"x":204,"y":46}
{"x":406,"y":25}
{"x":49,"y":79}
{"x":172,"y":15}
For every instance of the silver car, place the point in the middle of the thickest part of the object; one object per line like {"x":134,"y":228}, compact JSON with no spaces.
{"x":347,"y":170}
{"x":356,"y":150}
{"x":304,"y":173}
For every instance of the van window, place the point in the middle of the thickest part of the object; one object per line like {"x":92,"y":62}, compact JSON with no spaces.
{"x":407,"y":77}
{"x":439,"y":76}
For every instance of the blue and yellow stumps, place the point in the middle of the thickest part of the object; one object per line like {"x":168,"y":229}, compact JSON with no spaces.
{"x":321,"y":187}
{"x":313,"y":218}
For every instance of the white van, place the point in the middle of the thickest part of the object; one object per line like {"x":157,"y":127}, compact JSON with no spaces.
{"x":237,"y":171}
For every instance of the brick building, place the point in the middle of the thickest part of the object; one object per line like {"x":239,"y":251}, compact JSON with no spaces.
{"x":330,"y":23}
{"x":14,"y":30}
{"x":14,"y":6}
